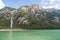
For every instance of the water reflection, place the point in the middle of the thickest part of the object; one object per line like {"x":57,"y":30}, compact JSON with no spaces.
{"x":10,"y":35}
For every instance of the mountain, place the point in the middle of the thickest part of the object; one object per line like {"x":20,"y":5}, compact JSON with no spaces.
{"x":6,"y":9}
{"x":24,"y":12}
{"x":34,"y":16}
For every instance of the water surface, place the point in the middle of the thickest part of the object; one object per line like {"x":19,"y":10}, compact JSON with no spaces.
{"x":30,"y":35}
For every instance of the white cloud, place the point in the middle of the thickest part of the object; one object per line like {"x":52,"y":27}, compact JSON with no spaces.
{"x":52,"y":4}
{"x":57,"y":6}
{"x":52,"y":1}
{"x":2,"y":5}
{"x":44,"y":3}
{"x":48,"y":2}
{"x":48,"y":7}
{"x":55,"y":3}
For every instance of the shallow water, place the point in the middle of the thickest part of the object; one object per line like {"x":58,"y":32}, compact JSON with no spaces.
{"x":30,"y":35}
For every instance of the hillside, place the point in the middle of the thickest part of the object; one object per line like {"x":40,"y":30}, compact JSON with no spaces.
{"x":30,"y":17}
{"x":6,"y":9}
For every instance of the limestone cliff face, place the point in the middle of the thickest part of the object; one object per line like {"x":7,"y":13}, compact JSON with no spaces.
{"x":25,"y":14}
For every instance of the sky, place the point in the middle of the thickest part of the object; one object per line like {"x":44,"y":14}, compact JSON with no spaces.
{"x":18,"y":3}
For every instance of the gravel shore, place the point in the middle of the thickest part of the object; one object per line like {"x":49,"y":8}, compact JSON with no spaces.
{"x":12,"y":29}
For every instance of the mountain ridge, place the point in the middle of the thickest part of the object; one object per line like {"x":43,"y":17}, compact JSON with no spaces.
{"x":35,"y":16}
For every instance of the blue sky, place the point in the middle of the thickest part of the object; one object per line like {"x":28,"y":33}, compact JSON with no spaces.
{"x":44,"y":3}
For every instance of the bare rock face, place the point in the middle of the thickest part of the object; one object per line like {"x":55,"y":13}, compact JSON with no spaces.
{"x":26,"y":13}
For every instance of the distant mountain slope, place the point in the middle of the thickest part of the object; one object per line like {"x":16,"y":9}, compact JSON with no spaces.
{"x":6,"y":9}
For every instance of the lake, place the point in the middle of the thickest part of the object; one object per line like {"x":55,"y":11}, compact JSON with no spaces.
{"x":30,"y":35}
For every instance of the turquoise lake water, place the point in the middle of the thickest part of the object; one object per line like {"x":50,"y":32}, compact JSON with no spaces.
{"x":30,"y":35}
